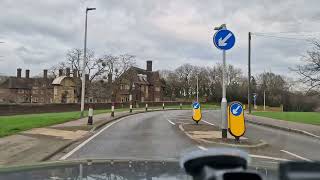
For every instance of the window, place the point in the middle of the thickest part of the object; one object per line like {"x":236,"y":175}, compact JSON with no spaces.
{"x":157,"y":99}
{"x":157,"y":89}
{"x":147,"y":92}
{"x":20,"y":91}
{"x":35,"y":100}
{"x":34,"y":91}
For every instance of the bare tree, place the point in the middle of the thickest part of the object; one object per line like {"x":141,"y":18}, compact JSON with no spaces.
{"x":310,"y":71}
{"x":53,"y":70}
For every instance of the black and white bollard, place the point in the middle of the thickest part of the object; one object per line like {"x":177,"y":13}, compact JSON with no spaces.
{"x":180,"y":105}
{"x":90,"y":116}
{"x":163,"y":105}
{"x":146,"y":107}
{"x":112,"y":110}
{"x":131,"y":108}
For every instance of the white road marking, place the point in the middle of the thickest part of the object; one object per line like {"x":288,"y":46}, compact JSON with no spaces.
{"x":309,"y":133}
{"x":171,"y":122}
{"x":208,"y":123}
{"x":267,"y":157}
{"x":202,"y":148}
{"x":295,"y":155}
{"x":89,"y":139}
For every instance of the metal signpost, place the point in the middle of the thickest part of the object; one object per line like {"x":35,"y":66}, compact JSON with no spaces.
{"x":224,"y":40}
{"x":236,"y":120}
{"x":196,"y":116}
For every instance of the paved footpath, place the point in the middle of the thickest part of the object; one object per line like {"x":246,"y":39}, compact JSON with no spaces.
{"x":39,"y":144}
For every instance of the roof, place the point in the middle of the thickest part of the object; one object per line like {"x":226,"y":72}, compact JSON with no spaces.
{"x":17,"y":83}
{"x":58,"y":80}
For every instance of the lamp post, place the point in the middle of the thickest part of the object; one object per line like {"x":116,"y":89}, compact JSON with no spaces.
{"x":83,"y":87}
{"x":249,"y":72}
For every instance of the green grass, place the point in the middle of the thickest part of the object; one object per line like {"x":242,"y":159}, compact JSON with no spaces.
{"x":17,"y":123}
{"x":301,"y":117}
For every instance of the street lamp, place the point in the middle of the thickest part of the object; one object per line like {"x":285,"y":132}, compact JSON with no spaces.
{"x":84,"y":62}
{"x":224,"y":120}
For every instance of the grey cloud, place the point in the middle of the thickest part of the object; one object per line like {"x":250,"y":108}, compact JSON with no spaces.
{"x":169,"y":32}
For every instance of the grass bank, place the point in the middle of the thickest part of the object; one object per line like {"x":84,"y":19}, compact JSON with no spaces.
{"x":301,"y":117}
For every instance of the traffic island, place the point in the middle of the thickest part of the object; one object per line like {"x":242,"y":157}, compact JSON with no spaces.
{"x":210,"y":135}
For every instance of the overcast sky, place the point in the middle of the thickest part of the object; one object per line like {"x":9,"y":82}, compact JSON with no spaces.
{"x":37,"y":34}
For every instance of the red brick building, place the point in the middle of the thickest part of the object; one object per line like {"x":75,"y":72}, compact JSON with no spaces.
{"x":141,"y":84}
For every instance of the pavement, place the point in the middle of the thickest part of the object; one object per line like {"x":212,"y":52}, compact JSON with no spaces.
{"x":154,"y":135}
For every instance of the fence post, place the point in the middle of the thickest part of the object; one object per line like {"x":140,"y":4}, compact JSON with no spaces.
{"x":112,"y":110}
{"x":90,"y":115}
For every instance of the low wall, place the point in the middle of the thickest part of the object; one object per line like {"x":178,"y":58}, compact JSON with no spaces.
{"x":16,"y":109}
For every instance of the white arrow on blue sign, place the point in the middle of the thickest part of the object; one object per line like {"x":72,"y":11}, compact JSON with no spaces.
{"x":236,"y":109}
{"x":224,"y":39}
{"x":196,"y":105}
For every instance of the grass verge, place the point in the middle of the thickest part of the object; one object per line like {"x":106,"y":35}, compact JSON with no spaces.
{"x":301,"y":117}
{"x":17,"y":123}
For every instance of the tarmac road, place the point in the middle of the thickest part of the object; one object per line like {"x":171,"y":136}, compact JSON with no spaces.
{"x":156,"y":136}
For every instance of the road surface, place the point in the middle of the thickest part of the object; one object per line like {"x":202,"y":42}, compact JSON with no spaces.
{"x":156,"y":136}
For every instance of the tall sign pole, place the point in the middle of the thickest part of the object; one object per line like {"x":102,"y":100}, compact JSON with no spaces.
{"x":197,"y":87}
{"x":249,"y":72}
{"x":224,"y":40}
{"x":224,"y":103}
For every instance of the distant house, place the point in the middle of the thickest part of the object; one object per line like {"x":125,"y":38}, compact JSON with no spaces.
{"x":141,"y":84}
{"x":64,"y":90}
{"x":25,"y":89}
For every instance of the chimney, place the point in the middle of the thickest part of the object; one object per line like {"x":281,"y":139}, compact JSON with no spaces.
{"x":74,"y":72}
{"x":19,"y":72}
{"x":60,"y":72}
{"x":45,"y":73}
{"x":86,"y":77}
{"x":68,"y":72}
{"x":27,"y":73}
{"x":149,"y":66}
{"x":109,"y":78}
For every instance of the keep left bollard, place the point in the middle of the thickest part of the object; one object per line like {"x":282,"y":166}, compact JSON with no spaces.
{"x":90,"y":116}
{"x":146,"y":107}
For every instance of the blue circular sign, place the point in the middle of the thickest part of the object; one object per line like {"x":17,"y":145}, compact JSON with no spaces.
{"x":224,"y":39}
{"x":196,"y":105}
{"x":236,"y":109}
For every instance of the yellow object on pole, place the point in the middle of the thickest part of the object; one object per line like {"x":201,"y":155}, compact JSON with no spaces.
{"x":236,"y":123}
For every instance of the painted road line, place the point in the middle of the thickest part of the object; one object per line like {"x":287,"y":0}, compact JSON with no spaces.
{"x":308,"y":133}
{"x":202,"y":148}
{"x":171,"y":122}
{"x":295,"y":155}
{"x":208,"y":123}
{"x":89,"y":139}
{"x":267,"y":157}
